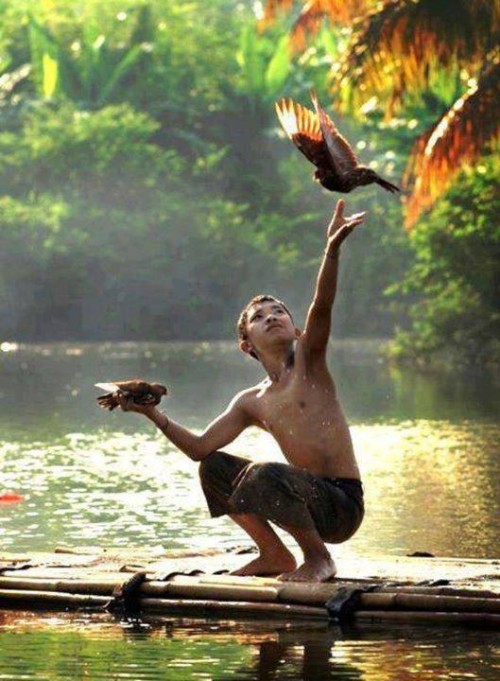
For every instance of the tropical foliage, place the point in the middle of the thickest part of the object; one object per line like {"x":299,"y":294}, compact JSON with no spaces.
{"x":424,"y":75}
{"x":400,"y":51}
{"x":147,"y":193}
{"x":457,"y":251}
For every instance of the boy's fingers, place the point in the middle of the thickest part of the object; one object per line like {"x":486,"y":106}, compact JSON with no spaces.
{"x":339,"y":210}
{"x":345,"y":230}
{"x":123,"y":401}
{"x":355,"y":220}
{"x":341,"y":234}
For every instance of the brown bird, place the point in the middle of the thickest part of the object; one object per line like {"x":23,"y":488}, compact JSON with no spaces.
{"x":315,"y":134}
{"x":141,"y":392}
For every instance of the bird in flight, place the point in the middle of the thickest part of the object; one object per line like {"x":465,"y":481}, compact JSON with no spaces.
{"x":316,"y":135}
{"x":141,"y":392}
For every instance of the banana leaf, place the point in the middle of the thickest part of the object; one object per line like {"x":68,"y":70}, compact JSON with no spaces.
{"x":250,"y":61}
{"x":121,"y":70}
{"x":278,"y":69}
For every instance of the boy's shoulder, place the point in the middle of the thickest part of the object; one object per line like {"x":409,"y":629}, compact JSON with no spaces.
{"x":242,"y":407}
{"x":251,"y":393}
{"x":248,"y":397}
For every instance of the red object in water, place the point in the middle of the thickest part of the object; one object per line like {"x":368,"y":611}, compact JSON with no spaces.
{"x":10,"y":498}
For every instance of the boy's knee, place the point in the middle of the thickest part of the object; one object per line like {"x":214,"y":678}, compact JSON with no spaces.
{"x":210,"y":465}
{"x":259,"y":475}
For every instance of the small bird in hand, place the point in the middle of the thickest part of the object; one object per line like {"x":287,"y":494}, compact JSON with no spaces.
{"x":316,"y":135}
{"x":141,"y":392}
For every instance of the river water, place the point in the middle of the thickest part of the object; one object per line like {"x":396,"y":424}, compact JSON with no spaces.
{"x":427,"y":445}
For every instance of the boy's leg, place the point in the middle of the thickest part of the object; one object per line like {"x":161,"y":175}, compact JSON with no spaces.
{"x":288,"y":497}
{"x":274,"y":557}
{"x":311,"y":509}
{"x":318,"y":565}
{"x":219,"y":474}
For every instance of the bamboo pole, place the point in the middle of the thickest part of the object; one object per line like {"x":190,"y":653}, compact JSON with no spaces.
{"x":228,"y":579}
{"x":48,"y":598}
{"x":186,"y":587}
{"x":301,"y":593}
{"x":72,"y":586}
{"x":467,"y":592}
{"x":305,"y":592}
{"x":379,"y":601}
{"x":201,"y":607}
{"x":182,"y":586}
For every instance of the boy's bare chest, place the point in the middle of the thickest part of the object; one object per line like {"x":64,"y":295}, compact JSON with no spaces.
{"x":295,"y":399}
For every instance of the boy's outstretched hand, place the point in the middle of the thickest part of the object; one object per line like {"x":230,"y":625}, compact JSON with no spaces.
{"x":340,"y":227}
{"x":127,"y":403}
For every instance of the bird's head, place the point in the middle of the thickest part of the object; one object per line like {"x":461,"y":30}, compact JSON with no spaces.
{"x":160,"y":389}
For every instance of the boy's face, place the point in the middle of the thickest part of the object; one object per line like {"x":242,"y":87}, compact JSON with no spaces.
{"x":268,"y":325}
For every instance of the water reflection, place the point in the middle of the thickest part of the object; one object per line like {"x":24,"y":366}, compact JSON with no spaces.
{"x":77,"y":646}
{"x":47,"y":391}
{"x":427,"y":445}
{"x":429,"y":486}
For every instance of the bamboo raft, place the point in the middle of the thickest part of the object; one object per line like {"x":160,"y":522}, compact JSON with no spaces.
{"x":135,"y":583}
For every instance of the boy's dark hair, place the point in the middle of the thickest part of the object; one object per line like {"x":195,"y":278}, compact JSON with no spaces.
{"x":242,"y":320}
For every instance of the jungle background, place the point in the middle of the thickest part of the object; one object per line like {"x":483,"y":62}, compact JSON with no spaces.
{"x":147,"y":191}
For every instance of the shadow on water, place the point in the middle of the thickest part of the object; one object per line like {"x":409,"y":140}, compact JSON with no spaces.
{"x":62,"y":646}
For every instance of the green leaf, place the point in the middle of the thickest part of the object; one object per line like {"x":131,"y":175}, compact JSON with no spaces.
{"x":329,"y":41}
{"x":42,"y":43}
{"x":250,"y":60}
{"x":89,"y":57}
{"x":121,"y":70}
{"x":5,"y":62}
{"x":50,"y":75}
{"x":278,"y":68}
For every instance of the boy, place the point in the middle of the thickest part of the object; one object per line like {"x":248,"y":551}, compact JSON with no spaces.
{"x":317,"y":496}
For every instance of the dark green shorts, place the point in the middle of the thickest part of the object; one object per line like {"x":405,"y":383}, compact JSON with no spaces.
{"x":283,"y":494}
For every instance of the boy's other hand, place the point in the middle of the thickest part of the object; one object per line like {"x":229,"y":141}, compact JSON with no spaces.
{"x":340,"y":226}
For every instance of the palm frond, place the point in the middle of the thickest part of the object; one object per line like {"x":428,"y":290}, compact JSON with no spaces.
{"x":459,"y":138}
{"x":312,"y":15}
{"x":272,"y":9}
{"x":314,"y":11}
{"x":401,"y":45}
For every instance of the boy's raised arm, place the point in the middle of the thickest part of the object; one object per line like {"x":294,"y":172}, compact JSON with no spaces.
{"x":318,"y":322}
{"x":223,"y":430}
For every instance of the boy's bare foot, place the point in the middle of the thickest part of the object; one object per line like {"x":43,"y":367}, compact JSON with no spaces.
{"x":312,"y":570}
{"x":267,"y":565}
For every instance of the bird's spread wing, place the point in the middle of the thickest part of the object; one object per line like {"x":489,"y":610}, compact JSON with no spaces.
{"x":108,"y":387}
{"x":303,"y":128}
{"x":342,"y":156}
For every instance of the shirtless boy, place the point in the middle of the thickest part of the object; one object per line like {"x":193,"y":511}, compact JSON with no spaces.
{"x":317,"y":496}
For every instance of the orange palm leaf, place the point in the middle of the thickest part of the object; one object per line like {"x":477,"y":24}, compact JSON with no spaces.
{"x":312,"y":14}
{"x":459,"y":138}
{"x":401,"y":44}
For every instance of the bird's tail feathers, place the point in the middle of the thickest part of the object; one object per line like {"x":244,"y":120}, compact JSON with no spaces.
{"x":107,"y":402}
{"x":387,"y":185}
